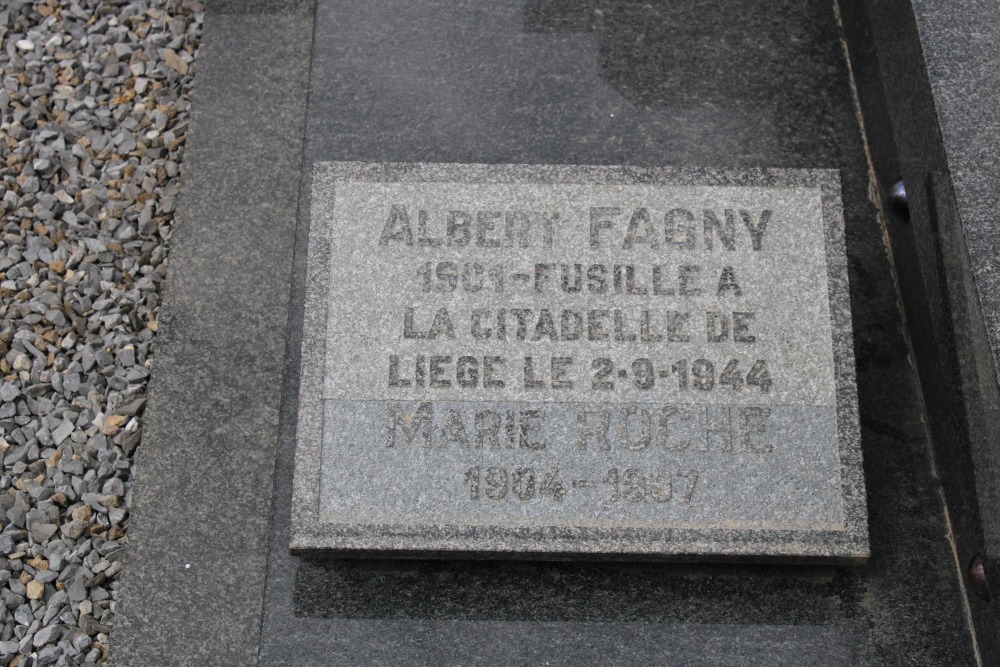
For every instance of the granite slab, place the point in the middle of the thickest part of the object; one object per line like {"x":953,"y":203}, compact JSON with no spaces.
{"x":532,"y":361}
{"x":926,"y":80}
{"x":192,"y":592}
{"x":545,"y":81}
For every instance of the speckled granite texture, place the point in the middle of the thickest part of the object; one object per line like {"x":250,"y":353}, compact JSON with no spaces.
{"x":782,"y":478}
{"x":926,"y":74}
{"x":629,"y":83}
{"x":547,"y":82}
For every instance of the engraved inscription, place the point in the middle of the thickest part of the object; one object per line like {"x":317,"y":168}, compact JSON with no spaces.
{"x":734,"y":429}
{"x":569,"y":355}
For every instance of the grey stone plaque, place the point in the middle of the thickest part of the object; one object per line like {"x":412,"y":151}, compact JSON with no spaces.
{"x":558,"y":361}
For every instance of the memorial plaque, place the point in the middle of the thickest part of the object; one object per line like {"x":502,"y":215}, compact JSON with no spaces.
{"x":577,"y":361}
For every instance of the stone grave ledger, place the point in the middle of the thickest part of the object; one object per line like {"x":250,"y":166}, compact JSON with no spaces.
{"x":543,"y":361}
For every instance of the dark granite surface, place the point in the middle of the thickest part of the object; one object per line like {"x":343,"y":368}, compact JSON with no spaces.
{"x":961,"y":47}
{"x":684,"y":84}
{"x":757,"y":84}
{"x":192,"y":590}
{"x":907,"y":72}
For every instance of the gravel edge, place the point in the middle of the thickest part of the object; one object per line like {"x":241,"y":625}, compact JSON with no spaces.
{"x":94,"y":113}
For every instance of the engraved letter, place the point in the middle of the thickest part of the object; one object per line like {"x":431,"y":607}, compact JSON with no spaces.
{"x":487,"y":429}
{"x":756,"y":229}
{"x":394,"y":379}
{"x":753,"y":421}
{"x":640,"y":439}
{"x":720,"y":426}
{"x":668,"y":443}
{"x":459,"y":228}
{"x":680,"y":232}
{"x":741,"y":327}
{"x":467,"y":372}
{"x":485,"y":223}
{"x":397,"y":227}
{"x":599,"y":219}
{"x":727,"y":282}
{"x":716,"y":326}
{"x":453,"y":430}
{"x":531,"y":424}
{"x":559,"y":368}
{"x":585,"y":429}
{"x":727,"y":233}
{"x":644,"y":235}
{"x":415,"y":427}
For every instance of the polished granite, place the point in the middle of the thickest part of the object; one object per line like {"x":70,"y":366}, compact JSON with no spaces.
{"x":633,"y":83}
{"x":679,"y":84}
{"x":927,"y":93}
{"x":627,"y":429}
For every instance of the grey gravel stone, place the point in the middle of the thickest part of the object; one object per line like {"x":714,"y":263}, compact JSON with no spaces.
{"x":8,"y":392}
{"x":93,"y":627}
{"x":41,"y":532}
{"x":81,"y":641}
{"x":94,"y":118}
{"x":63,"y":432}
{"x":77,"y":591}
{"x":48,"y":655}
{"x":47,"y":635}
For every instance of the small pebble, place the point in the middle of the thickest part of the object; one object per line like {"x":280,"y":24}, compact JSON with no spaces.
{"x":36,"y":590}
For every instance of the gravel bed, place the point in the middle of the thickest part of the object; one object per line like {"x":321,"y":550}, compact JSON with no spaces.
{"x":93,"y":118}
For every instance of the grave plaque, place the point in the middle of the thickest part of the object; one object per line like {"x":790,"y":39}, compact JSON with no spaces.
{"x":560,"y":361}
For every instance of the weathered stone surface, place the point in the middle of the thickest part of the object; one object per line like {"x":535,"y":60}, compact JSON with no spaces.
{"x":540,"y":360}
